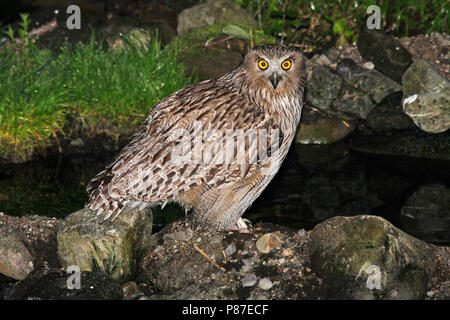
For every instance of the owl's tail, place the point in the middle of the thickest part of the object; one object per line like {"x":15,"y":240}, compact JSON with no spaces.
{"x":100,"y":200}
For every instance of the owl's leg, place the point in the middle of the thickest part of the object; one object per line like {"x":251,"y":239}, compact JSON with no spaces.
{"x":223,"y":208}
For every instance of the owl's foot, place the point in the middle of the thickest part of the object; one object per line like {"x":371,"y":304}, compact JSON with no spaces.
{"x":241,"y":226}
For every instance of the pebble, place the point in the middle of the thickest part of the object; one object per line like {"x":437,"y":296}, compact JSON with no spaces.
{"x":249,"y":280}
{"x":287,"y":252}
{"x":77,"y":142}
{"x":368,"y":65}
{"x":180,"y":235}
{"x":268,"y":242}
{"x":230,"y":249}
{"x":265,"y":284}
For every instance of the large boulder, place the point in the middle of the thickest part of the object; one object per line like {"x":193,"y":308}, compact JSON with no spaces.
{"x":113,"y":247}
{"x":16,"y":261}
{"x":366,"y":257}
{"x":377,"y":85}
{"x":387,"y":53}
{"x":426,"y":97}
{"x":318,"y":128}
{"x":323,"y":87}
{"x":213,"y":12}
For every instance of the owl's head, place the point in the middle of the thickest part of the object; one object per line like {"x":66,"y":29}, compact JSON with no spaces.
{"x":275,"y":68}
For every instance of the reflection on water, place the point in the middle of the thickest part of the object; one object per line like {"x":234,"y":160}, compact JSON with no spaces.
{"x":314,"y":183}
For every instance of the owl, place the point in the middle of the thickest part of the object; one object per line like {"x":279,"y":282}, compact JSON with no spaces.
{"x":212,"y":147}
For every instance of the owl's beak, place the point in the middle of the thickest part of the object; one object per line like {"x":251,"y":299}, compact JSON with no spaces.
{"x":275,"y":79}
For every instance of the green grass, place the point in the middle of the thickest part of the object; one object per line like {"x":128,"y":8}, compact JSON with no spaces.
{"x":294,"y":20}
{"x":40,"y":90}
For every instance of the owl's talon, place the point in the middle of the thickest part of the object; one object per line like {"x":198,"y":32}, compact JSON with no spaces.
{"x":241,"y":226}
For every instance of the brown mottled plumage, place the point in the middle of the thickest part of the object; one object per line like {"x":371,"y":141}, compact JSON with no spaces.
{"x":255,"y":96}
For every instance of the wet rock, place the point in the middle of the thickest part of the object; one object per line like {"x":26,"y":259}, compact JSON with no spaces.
{"x":387,"y":54}
{"x":377,"y":85}
{"x":340,"y":192}
{"x":426,"y":213}
{"x":213,"y":12}
{"x":417,"y":144}
{"x":312,"y":155}
{"x":389,"y":115}
{"x":16,"y":261}
{"x":113,"y":247}
{"x":353,"y":102}
{"x":426,"y":97}
{"x":323,"y":87}
{"x":365,"y":257}
{"x":318,"y":128}
{"x":268,"y":242}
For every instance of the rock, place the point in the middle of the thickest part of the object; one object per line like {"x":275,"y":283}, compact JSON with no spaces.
{"x":268,"y":242}
{"x":249,"y":280}
{"x":426,"y":97}
{"x":113,"y":247}
{"x":387,"y":54}
{"x":265,"y":284}
{"x":365,"y":257}
{"x":16,"y":261}
{"x":318,"y":128}
{"x":210,"y":52}
{"x":404,"y":143}
{"x":353,"y":101}
{"x":137,"y":37}
{"x":180,"y":235}
{"x":213,"y":12}
{"x":323,"y":87}
{"x":377,"y":85}
{"x":426,"y":213}
{"x":389,"y":115}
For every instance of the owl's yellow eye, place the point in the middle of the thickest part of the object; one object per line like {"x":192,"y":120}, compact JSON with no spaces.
{"x":262,"y":64}
{"x":286,"y":65}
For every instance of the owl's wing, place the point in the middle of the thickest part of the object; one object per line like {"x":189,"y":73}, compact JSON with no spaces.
{"x":193,"y":137}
